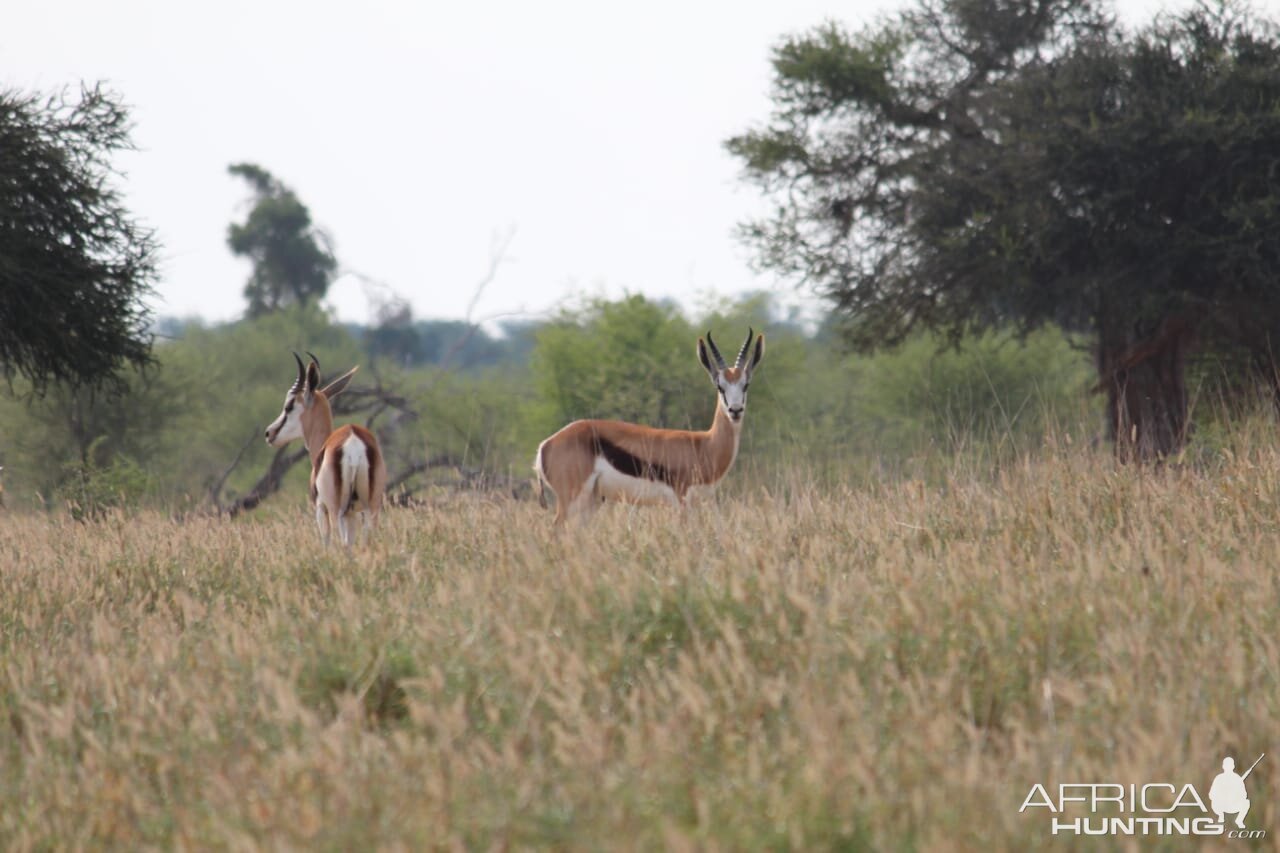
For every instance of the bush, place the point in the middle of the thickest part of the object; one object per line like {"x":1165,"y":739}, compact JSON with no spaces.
{"x":993,"y":388}
{"x":848,"y":417}
{"x":632,"y":360}
{"x":89,"y":491}
{"x":811,"y":408}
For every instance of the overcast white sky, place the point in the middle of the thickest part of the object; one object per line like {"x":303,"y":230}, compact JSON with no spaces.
{"x":417,"y":132}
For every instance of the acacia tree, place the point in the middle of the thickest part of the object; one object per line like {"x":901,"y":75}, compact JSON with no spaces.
{"x":980,"y":162}
{"x":74,"y":265}
{"x":292,"y":260}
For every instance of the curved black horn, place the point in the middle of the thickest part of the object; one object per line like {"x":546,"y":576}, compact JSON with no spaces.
{"x":742,"y":353}
{"x":715,"y":352}
{"x":302,"y":373}
{"x":313,"y":358}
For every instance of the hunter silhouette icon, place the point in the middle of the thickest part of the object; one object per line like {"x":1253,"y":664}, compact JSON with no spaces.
{"x":1227,"y":794}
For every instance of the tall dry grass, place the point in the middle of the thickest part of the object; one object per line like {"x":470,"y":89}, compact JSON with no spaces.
{"x":888,"y":667}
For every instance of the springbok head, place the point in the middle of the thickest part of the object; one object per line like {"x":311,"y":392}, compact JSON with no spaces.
{"x":732,"y":382}
{"x":304,"y":401}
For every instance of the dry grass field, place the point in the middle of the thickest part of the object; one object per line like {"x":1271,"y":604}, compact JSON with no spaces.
{"x":888,"y":667}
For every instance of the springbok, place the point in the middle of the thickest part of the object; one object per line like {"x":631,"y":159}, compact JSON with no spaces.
{"x":348,"y":473}
{"x":591,"y":461}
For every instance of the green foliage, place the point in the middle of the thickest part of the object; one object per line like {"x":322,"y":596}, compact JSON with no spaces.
{"x":292,"y":260}
{"x":1094,"y":218}
{"x":239,"y":375}
{"x":480,"y":420}
{"x":89,"y":490}
{"x":980,"y":164}
{"x":874,"y":136}
{"x":215,"y":389}
{"x":632,"y":360}
{"x":74,"y":265}
{"x":183,"y":421}
{"x":49,"y":438}
{"x":925,"y":402}
{"x":827,"y":69}
{"x":992,"y":387}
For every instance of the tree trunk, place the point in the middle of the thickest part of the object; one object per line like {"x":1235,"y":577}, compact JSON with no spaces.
{"x":1144,"y":377}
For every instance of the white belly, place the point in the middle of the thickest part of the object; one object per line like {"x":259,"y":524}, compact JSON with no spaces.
{"x":612,"y":484}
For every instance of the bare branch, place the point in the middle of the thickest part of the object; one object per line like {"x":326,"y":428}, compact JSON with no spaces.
{"x":439,"y":461}
{"x":497,"y":255}
{"x":267,"y":485}
{"x":215,"y":490}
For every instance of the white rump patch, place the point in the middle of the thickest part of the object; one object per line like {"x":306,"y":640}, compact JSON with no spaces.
{"x":355,"y":463}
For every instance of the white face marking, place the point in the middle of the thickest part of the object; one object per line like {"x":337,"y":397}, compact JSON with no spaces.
{"x":732,"y":382}
{"x":733,"y":395}
{"x":288,"y":426}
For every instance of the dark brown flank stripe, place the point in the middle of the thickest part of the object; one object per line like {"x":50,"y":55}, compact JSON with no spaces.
{"x":371,"y":456}
{"x":630,"y":464}
{"x":335,"y":459}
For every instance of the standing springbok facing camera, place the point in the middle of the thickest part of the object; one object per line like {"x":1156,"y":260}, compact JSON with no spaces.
{"x":348,"y":473}
{"x":589,"y":462}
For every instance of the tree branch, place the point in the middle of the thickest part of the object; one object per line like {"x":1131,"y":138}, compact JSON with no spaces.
{"x":267,"y":485}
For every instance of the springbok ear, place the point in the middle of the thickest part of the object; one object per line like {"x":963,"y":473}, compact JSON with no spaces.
{"x":313,"y":378}
{"x":705,"y":359}
{"x":340,"y":384}
{"x":758,"y":354}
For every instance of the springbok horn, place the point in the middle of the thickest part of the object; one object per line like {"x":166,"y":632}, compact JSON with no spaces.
{"x":742,"y":353}
{"x":313,"y":358}
{"x":715,"y":351}
{"x":302,"y":374}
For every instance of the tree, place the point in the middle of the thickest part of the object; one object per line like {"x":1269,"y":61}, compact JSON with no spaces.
{"x":981,"y":162}
{"x":292,"y":260}
{"x":74,"y":265}
{"x":1164,"y":207}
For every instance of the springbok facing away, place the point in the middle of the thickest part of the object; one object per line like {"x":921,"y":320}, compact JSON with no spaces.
{"x":348,"y":473}
{"x":592,"y":461}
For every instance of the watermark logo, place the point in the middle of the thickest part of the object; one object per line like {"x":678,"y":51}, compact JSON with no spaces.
{"x":1227,"y":794}
{"x":1154,"y":808}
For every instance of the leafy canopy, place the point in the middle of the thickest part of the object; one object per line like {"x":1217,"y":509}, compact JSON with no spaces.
{"x":977,"y":162}
{"x":74,"y":265}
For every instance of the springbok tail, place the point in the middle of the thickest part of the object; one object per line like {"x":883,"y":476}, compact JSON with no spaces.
{"x":355,"y":475}
{"x":542,"y":478}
